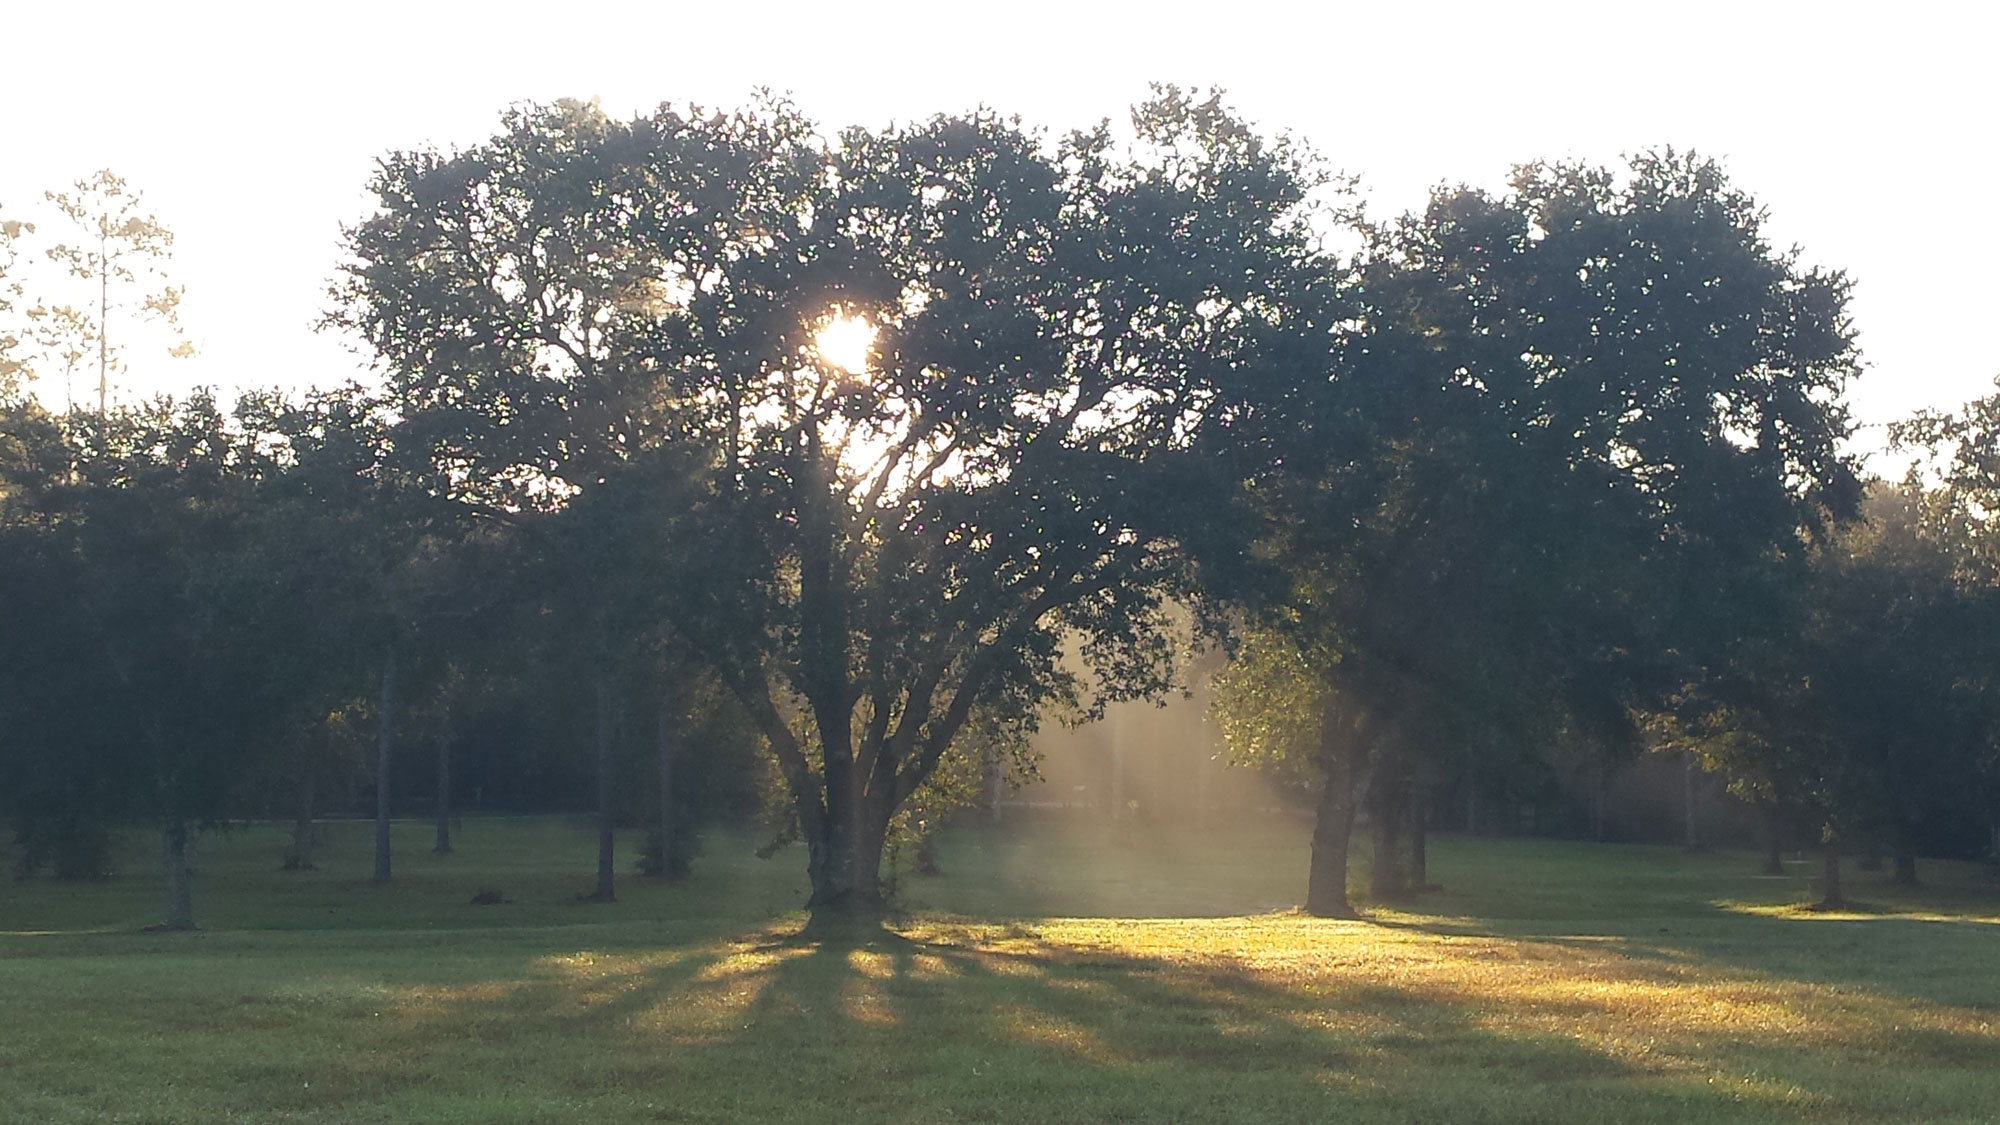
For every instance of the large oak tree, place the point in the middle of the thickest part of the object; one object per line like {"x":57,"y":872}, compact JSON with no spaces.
{"x":875,"y":544}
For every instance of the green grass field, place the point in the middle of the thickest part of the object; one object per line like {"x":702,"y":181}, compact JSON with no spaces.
{"x":1055,"y":972}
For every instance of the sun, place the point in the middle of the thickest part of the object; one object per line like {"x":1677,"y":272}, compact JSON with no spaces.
{"x":846,"y":342}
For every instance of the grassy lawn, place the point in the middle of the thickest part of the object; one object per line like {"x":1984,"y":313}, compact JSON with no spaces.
{"x":1056,"y":972}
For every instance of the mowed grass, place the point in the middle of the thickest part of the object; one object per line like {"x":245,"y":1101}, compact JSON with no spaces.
{"x":1060,"y":970}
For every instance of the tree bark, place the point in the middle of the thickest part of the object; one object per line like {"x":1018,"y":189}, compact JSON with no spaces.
{"x":384,"y":757}
{"x":846,"y":867}
{"x":1333,"y":824}
{"x":606,"y":872}
{"x":176,"y":838}
{"x":443,"y":844}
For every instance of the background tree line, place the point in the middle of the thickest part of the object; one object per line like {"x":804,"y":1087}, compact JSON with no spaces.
{"x":1552,"y":472}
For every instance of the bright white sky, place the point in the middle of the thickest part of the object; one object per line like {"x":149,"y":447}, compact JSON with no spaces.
{"x":1866,"y":130}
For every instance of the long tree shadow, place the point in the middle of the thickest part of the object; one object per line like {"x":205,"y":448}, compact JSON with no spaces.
{"x":953,"y":1022}
{"x":1401,"y":1018}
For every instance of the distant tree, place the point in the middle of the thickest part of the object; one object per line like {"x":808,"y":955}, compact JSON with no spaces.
{"x":884,"y":538}
{"x":1873,"y":717}
{"x":11,"y":295}
{"x":142,"y":687}
{"x":1958,"y":472}
{"x":118,"y":251}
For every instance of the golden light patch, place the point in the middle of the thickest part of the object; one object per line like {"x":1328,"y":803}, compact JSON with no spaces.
{"x":876,"y":966}
{"x":863,"y":1002}
{"x":1045,"y":1029}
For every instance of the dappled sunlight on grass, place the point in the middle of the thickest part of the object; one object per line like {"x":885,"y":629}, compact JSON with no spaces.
{"x":1033,"y":1027}
{"x":1858,"y":912}
{"x":1667,"y":1004}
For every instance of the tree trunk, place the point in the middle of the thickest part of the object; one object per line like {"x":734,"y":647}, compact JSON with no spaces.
{"x":1333,"y":825}
{"x":1831,"y":896}
{"x":996,"y":784}
{"x":606,"y":873}
{"x":299,"y":857}
{"x":176,"y":838}
{"x":846,"y":866}
{"x":1774,"y":855}
{"x":668,"y":860}
{"x":1905,"y":859}
{"x":1690,"y":807}
{"x":384,"y":756}
{"x":926,"y":862}
{"x":1598,"y":785}
{"x":443,"y":845}
{"x":1420,"y":876}
{"x":1388,"y":805}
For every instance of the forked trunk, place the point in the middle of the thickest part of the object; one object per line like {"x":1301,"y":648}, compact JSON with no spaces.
{"x":846,"y":867}
{"x":384,"y":756}
{"x":606,"y":872}
{"x":177,"y":838}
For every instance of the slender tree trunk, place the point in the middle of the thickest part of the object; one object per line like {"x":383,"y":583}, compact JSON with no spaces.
{"x":177,"y":838}
{"x":384,"y":756}
{"x":1420,"y":876}
{"x":1832,"y":897}
{"x":926,"y":861}
{"x":996,"y":785}
{"x":668,"y":864}
{"x":1690,"y":807}
{"x":1774,"y":855}
{"x":606,"y":871}
{"x":300,"y":856}
{"x":1905,"y":858}
{"x":1385,"y":872}
{"x":1388,"y":805}
{"x":1598,"y":785}
{"x":443,"y":844}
